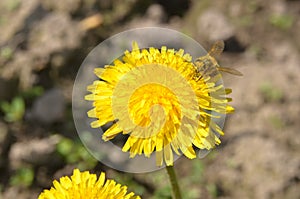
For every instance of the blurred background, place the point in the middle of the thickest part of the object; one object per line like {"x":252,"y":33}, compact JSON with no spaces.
{"x":43,"y":43}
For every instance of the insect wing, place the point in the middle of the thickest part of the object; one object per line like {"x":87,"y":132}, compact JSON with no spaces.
{"x":203,"y":153}
{"x":230,"y":70}
{"x":217,"y":48}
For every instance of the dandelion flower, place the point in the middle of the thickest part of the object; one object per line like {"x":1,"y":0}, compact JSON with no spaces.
{"x":83,"y":185}
{"x":152,"y":96}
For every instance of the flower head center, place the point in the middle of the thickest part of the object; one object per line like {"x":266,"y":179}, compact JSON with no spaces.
{"x":153,"y":106}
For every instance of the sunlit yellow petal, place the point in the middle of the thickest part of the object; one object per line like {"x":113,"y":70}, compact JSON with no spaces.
{"x":84,"y":185}
{"x":111,"y":132}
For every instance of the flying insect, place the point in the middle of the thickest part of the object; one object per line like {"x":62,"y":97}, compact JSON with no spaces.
{"x":207,"y":65}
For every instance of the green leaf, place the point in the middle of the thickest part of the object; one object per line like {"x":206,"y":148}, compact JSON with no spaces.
{"x":33,"y":92}
{"x":22,"y":177}
{"x":15,"y":110}
{"x":64,"y":147}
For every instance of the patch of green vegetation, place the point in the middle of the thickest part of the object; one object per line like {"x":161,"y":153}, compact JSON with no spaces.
{"x":252,"y":7}
{"x":212,"y":190}
{"x":212,"y":155}
{"x":33,"y":92}
{"x":245,"y":21}
{"x":164,"y":192}
{"x":283,"y":22}
{"x":194,"y":177}
{"x":22,"y":177}
{"x":74,"y":152}
{"x":6,"y":52}
{"x":197,"y":171}
{"x":276,"y":122}
{"x":13,"y":5}
{"x":13,"y":111}
{"x":270,"y":93}
{"x":191,"y":194}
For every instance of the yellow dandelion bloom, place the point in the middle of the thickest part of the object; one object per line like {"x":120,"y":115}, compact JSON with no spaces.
{"x":156,"y":97}
{"x":84,"y":185}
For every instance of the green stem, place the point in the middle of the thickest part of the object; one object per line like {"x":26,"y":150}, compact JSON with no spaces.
{"x":174,"y":183}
